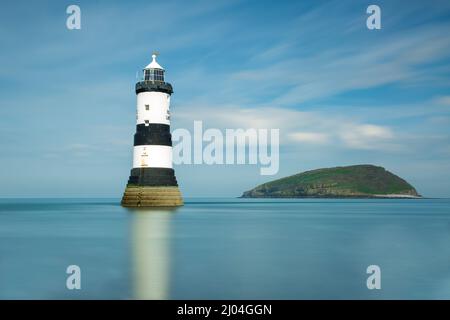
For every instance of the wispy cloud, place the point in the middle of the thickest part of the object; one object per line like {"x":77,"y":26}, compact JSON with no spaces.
{"x":309,"y":137}
{"x":443,"y":100}
{"x":368,"y":136}
{"x":297,"y":127}
{"x":398,"y":58}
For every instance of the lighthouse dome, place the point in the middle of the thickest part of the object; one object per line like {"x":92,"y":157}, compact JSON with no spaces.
{"x":154,"y":64}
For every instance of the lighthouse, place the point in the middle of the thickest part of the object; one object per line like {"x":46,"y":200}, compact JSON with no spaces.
{"x":152,"y":181}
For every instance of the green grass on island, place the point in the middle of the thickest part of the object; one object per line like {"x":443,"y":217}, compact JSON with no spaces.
{"x":358,"y":181}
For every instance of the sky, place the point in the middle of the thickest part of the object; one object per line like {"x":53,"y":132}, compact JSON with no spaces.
{"x":340,"y":94}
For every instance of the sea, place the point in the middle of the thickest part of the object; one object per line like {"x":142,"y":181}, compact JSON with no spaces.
{"x":225,"y":248}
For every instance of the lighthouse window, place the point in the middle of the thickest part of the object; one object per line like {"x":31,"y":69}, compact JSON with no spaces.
{"x":154,"y":75}
{"x":147,"y":107}
{"x":159,"y":75}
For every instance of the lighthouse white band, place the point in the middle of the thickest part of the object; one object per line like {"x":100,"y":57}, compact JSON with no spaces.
{"x":152,"y":156}
{"x":153,"y":107}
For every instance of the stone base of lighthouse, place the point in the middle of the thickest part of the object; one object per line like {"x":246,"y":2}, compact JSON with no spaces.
{"x":138,"y":196}
{"x":152,"y":187}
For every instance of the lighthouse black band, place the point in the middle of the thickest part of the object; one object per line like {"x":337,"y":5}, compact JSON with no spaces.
{"x":152,"y":177}
{"x":153,"y":134}
{"x":148,"y":86}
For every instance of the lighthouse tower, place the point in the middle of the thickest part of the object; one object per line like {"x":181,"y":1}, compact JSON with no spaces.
{"x":152,"y":180}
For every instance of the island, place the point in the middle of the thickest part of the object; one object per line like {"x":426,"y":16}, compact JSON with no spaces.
{"x":357,"y":181}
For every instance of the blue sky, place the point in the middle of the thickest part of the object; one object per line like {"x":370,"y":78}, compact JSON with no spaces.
{"x":340,"y":93}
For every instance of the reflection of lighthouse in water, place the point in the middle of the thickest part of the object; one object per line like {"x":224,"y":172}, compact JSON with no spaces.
{"x":152,"y":180}
{"x":151,"y":254}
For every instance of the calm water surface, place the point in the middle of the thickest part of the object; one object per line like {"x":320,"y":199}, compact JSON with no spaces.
{"x":225,"y":249}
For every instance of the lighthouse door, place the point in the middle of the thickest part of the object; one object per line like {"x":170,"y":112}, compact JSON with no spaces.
{"x":144,"y":158}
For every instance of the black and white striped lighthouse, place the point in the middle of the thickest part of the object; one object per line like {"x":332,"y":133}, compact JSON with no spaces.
{"x":152,"y":180}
